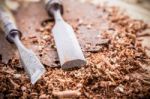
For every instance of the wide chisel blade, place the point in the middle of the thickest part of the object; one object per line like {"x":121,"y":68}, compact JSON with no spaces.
{"x":68,"y":48}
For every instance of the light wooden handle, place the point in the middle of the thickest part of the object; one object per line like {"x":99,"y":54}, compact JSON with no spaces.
{"x":7,"y":23}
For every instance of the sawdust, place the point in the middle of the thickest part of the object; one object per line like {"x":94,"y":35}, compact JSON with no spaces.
{"x":119,"y":70}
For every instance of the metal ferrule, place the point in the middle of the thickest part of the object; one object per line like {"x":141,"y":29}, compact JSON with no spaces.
{"x":53,"y":5}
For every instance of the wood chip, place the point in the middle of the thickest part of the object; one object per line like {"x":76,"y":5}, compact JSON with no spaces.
{"x":67,"y":93}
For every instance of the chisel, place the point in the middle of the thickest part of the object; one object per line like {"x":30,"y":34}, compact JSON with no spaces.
{"x":68,"y":48}
{"x":31,"y":63}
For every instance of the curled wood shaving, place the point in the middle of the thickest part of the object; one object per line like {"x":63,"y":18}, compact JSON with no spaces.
{"x":14,"y":84}
{"x":44,"y":96}
{"x":67,"y":93}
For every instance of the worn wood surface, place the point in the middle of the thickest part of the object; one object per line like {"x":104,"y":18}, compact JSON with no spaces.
{"x":30,"y":15}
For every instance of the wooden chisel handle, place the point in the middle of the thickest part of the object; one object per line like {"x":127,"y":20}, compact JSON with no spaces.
{"x":53,"y":5}
{"x":7,"y":24}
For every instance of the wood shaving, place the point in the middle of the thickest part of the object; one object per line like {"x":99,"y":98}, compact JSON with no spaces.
{"x":67,"y":94}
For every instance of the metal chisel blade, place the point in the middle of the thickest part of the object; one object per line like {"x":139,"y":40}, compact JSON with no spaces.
{"x":68,"y":48}
{"x":31,"y":63}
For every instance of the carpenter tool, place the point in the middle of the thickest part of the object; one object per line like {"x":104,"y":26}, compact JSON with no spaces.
{"x":31,"y":63}
{"x":68,"y":48}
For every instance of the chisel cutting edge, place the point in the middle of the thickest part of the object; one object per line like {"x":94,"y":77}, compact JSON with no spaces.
{"x":68,"y":48}
{"x":31,"y":63}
